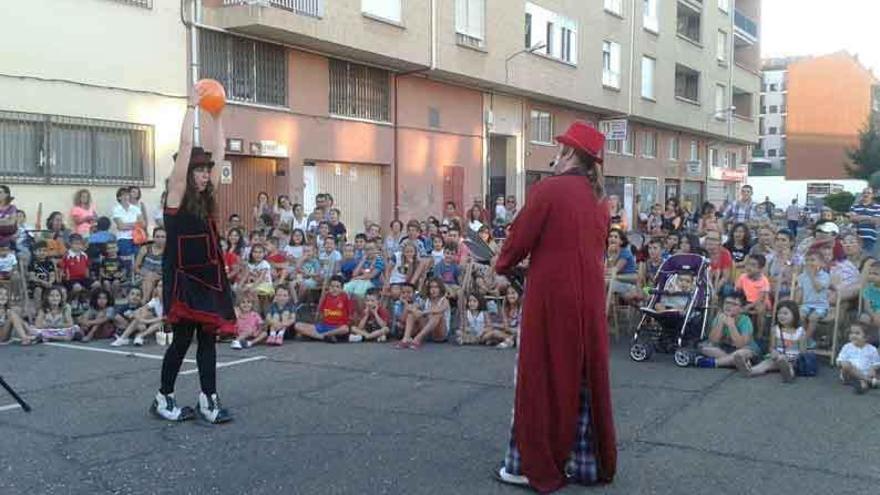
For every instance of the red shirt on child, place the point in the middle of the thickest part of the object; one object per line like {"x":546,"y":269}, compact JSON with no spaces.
{"x":75,"y":266}
{"x":722,"y":262}
{"x":335,"y":310}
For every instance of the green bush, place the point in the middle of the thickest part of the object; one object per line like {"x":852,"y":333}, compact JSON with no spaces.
{"x":840,"y":202}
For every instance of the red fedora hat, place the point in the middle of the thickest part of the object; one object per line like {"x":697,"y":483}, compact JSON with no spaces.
{"x":584,"y":137}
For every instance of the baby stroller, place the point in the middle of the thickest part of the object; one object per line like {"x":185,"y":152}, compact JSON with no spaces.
{"x":675,"y":332}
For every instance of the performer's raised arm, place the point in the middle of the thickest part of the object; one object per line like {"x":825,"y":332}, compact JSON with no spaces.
{"x":177,"y":180}
{"x":218,"y":151}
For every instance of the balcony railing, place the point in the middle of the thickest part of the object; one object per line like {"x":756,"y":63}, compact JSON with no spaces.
{"x":314,"y":8}
{"x":745,"y":24}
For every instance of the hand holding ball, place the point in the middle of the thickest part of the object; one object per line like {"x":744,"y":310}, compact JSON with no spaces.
{"x":212,"y":96}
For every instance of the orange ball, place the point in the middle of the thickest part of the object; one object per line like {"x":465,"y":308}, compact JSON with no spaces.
{"x":213,"y":96}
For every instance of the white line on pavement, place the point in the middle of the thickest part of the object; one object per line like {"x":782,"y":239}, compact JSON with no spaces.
{"x":10,"y":407}
{"x":111,"y":351}
{"x":230,"y":363}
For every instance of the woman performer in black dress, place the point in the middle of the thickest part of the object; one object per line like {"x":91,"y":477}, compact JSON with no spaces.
{"x":197,"y":296}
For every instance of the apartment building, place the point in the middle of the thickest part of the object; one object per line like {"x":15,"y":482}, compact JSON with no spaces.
{"x":394,"y":106}
{"x":812,"y":109}
{"x":91,"y":95}
{"x":424,"y":101}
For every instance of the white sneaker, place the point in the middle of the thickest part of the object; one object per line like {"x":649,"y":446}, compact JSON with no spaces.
{"x":119,"y":342}
{"x":169,"y":337}
{"x":139,"y":341}
{"x":165,"y":407}
{"x":210,"y":410}
{"x":507,"y":344}
{"x":160,"y":338}
{"x":355,"y":338}
{"x":235,"y":344}
{"x":247,"y":344}
{"x":512,"y":479}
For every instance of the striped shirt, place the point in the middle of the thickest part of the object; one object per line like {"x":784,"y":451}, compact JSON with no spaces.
{"x":866,"y":230}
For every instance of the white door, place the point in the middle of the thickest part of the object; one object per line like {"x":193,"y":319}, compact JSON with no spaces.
{"x":356,"y":191}
{"x":310,"y":188}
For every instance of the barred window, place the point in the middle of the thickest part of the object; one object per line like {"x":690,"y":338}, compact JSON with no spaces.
{"x":55,"y":149}
{"x":541,"y":127}
{"x":358,"y":91}
{"x":251,"y":71}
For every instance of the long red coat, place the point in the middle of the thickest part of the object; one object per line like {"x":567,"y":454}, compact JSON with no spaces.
{"x":563,"y":228}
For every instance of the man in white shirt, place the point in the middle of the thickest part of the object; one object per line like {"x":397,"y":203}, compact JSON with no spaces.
{"x":126,"y":216}
{"x":793,"y":215}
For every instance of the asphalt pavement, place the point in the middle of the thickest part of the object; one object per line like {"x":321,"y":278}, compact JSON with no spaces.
{"x":316,"y":418}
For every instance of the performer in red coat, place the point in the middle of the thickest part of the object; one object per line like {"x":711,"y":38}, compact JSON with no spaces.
{"x":563,"y":430}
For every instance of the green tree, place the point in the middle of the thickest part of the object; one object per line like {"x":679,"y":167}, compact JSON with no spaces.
{"x":840,"y":201}
{"x":866,"y":158}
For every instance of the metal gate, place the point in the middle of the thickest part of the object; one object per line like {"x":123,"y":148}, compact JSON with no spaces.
{"x":356,"y":191}
{"x":250,"y":176}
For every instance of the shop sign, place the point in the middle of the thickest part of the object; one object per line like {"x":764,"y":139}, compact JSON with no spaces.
{"x":614,"y":130}
{"x":226,"y":172}
{"x":733,"y":175}
{"x":694,"y":168}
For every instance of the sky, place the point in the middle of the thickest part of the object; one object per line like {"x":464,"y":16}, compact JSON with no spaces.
{"x":818,"y":27}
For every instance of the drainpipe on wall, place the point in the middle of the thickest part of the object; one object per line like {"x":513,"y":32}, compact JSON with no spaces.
{"x":195,"y":19}
{"x":632,"y":55}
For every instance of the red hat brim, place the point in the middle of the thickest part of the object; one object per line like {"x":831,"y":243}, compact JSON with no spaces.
{"x":568,"y":141}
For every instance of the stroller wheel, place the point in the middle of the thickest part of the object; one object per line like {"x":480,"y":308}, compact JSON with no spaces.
{"x":683,"y":357}
{"x":641,"y":351}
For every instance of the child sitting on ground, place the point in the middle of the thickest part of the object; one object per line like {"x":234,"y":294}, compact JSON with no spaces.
{"x":259,"y":275}
{"x":756,"y":287}
{"x":334,"y":315}
{"x":75,"y":264}
{"x":680,"y":294}
{"x":10,"y":321}
{"x":309,"y":275}
{"x":54,"y":321}
{"x":858,"y":361}
{"x":248,"y":323}
{"x":125,"y":313}
{"x":8,"y":261}
{"x":504,"y":334}
{"x":280,"y":316}
{"x":432,"y":318}
{"x":41,"y":272}
{"x":407,"y":301}
{"x":448,"y":270}
{"x":368,"y":274}
{"x":97,"y":322}
{"x":147,"y":320}
{"x":731,"y":334}
{"x":349,"y":263}
{"x":112,"y":272}
{"x":276,"y":259}
{"x":373,"y":325}
{"x":871,"y":294}
{"x":473,"y":325}
{"x":787,"y":341}
{"x":814,"y":289}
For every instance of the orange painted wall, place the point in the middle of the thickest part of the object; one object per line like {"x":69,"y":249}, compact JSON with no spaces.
{"x":425,"y":151}
{"x":312,"y":135}
{"x":829,"y":100}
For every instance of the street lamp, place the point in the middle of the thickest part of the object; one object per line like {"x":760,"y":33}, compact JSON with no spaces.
{"x":540,"y":46}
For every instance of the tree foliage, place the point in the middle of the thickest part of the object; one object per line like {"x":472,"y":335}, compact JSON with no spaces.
{"x":866,"y":158}
{"x":840,"y":201}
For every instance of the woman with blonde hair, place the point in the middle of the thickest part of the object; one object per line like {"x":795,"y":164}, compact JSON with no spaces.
{"x":83,"y":213}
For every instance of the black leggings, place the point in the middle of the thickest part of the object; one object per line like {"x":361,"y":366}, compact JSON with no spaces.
{"x":206,"y":357}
